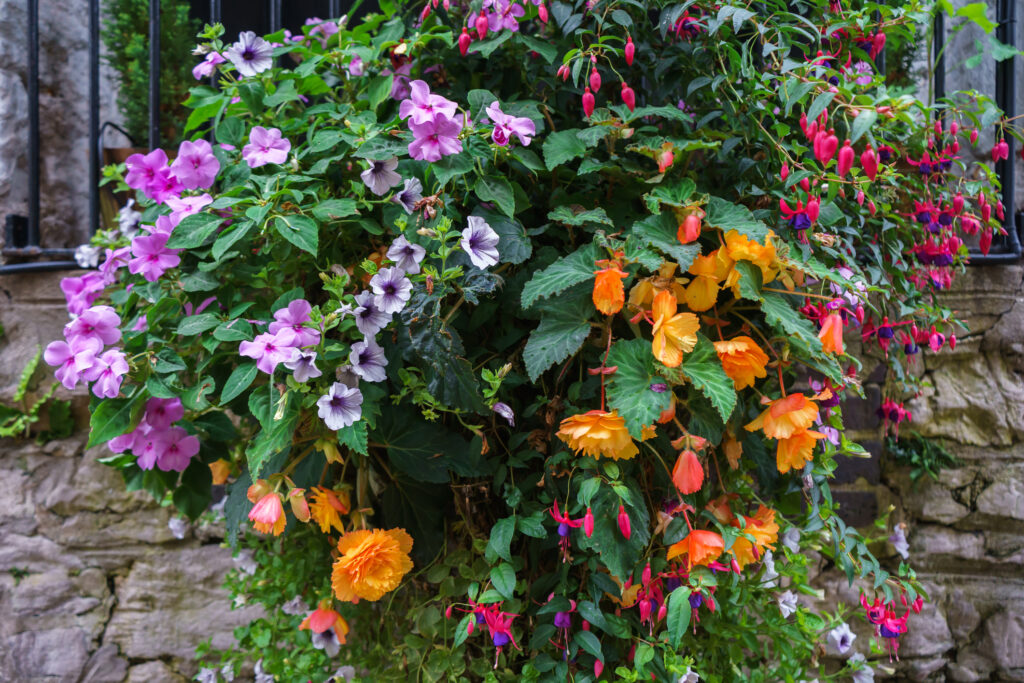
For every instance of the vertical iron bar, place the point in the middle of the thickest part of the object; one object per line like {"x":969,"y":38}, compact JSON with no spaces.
{"x":938,"y":37}
{"x":94,"y":116}
{"x":33,"y":124}
{"x":154,"y":74}
{"x":215,"y":11}
{"x":334,"y":9}
{"x":275,"y":16}
{"x":1007,"y":92}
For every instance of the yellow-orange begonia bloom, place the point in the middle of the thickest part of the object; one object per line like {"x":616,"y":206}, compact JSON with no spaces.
{"x":796,"y":451}
{"x":743,"y":360}
{"x":785,"y":417}
{"x":371,"y":563}
{"x":741,"y":248}
{"x":327,"y":507}
{"x":764,"y":529}
{"x":831,"y":334}
{"x":643,"y":292}
{"x":699,"y":547}
{"x":598,"y":433}
{"x":702,"y":292}
{"x":674,"y":333}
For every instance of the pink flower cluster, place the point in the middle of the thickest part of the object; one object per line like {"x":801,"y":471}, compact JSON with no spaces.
{"x":156,"y":442}
{"x":152,"y":256}
{"x":81,"y":356}
{"x":283,"y":339}
{"x":194,"y":168}
{"x":433,"y":122}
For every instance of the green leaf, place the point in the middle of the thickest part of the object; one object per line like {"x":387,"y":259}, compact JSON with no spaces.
{"x":728,"y":216}
{"x":660,"y":232}
{"x":576,"y":215}
{"x":238,"y":381}
{"x":462,"y":631}
{"x":546,"y":49}
{"x":300,"y":231}
{"x":561,"y":333}
{"x":273,"y":439}
{"x":778,"y":313}
{"x":676,"y":194}
{"x":564,"y":273}
{"x":423,"y":450}
{"x":705,"y":371}
{"x":629,"y":389}
{"x":227,"y":239}
{"x":750,"y":281}
{"x":503,"y":577}
{"x":437,"y":349}
{"x":862,"y":123}
{"x":233,"y":330}
{"x":498,"y":190}
{"x":501,"y":539}
{"x":193,"y":495}
{"x":194,"y":230}
{"x":619,"y":554}
{"x":452,"y":165}
{"x":514,"y":245}
{"x":976,"y":12}
{"x":589,"y":642}
{"x":561,"y":147}
{"x":379,"y":90}
{"x":334,"y":209}
{"x":819,"y":104}
{"x":197,"y":324}
{"x":113,"y":417}
{"x":355,"y":437}
{"x":678,"y":618}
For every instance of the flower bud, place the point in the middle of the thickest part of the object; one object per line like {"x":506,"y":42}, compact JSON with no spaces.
{"x":542,"y":12}
{"x":869,"y":161}
{"x":845,"y":161}
{"x":974,"y":135}
{"x":628,"y":96}
{"x":860,"y":197}
{"x":464,"y":40}
{"x":598,"y":668}
{"x":588,"y":523}
{"x":630,"y":50}
{"x":784,"y":172}
{"x":481,"y":25}
{"x":595,"y":79}
{"x":958,"y":203}
{"x":624,"y":526}
{"x":448,"y":612}
{"x":689,"y":231}
{"x":588,"y":103}
{"x":953,"y":128}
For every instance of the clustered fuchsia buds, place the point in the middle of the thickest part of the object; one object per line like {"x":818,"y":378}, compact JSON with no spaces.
{"x":1001,"y":150}
{"x":845,"y":161}
{"x":464,"y":40}
{"x":869,"y":160}
{"x":630,"y":50}
{"x":628,"y":96}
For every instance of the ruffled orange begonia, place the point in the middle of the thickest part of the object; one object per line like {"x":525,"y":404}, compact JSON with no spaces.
{"x":741,"y":248}
{"x":702,"y":292}
{"x":372,"y":563}
{"x":598,"y":433}
{"x":785,"y":417}
{"x":796,"y":451}
{"x":763,"y":528}
{"x":743,"y":360}
{"x":326,"y":508}
{"x":831,"y":334}
{"x":674,"y":333}
{"x":700,"y":547}
{"x":643,"y":292}
{"x":609,"y":294}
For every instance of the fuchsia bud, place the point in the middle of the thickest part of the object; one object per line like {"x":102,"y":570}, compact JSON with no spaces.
{"x":974,"y":135}
{"x":986,"y":213}
{"x":426,"y":11}
{"x":663,"y":611}
{"x":952,"y":345}
{"x":630,"y":50}
{"x":448,"y":612}
{"x":481,"y":26}
{"x":585,"y":625}
{"x":954,"y":127}
{"x":464,"y":40}
{"x":595,"y":79}
{"x":859,"y":314}
{"x":982,"y":199}
{"x":542,"y":12}
{"x":803,"y":123}
{"x":784,"y":173}
{"x":985,"y":242}
{"x":588,"y":103}
{"x":869,"y":161}
{"x":877,"y":44}
{"x":624,"y":522}
{"x":598,"y":668}
{"x":1001,"y":150}
{"x":813,"y":207}
{"x":860,"y":197}
{"x":958,"y":203}
{"x":645,"y":575}
{"x":845,"y":161}
{"x":999,"y":211}
{"x":955,"y":146}
{"x":563,"y":72}
{"x":735,"y":566}
{"x":938,"y":127}
{"x":588,"y":523}
{"x":871,"y":207}
{"x":805,"y":184}
{"x":470,"y":626}
{"x":628,"y":96}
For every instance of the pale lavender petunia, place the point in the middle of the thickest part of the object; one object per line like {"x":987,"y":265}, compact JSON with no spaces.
{"x":506,"y":412}
{"x":791,"y":539}
{"x":195,"y":167}
{"x":391,"y":289}
{"x":294,"y":317}
{"x":161,"y":413}
{"x":128,"y":220}
{"x":270,"y":349}
{"x":381,"y":176}
{"x":112,"y":366}
{"x":406,"y":255}
{"x":435,"y":139}
{"x":411,"y":193}
{"x":369,"y":318}
{"x":341,"y":406}
{"x":206,"y":67}
{"x":480,"y":243}
{"x":368,"y":361}
{"x":865,"y":73}
{"x":899,"y":541}
{"x":87,"y":255}
{"x":303,"y":366}
{"x":787,"y":603}
{"x":863,"y":675}
{"x":326,"y":641}
{"x":251,"y":54}
{"x":74,"y":359}
{"x":841,"y":638}
{"x":152,"y":256}
{"x":101,"y":322}
{"x":506,"y":125}
{"x":266,"y":146}
{"x":423,"y":106}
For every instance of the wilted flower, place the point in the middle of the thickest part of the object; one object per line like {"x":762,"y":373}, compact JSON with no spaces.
{"x":251,"y":54}
{"x":791,"y":539}
{"x":391,"y":289}
{"x":787,"y":603}
{"x":295,"y":606}
{"x":326,"y":508}
{"x":381,"y":176}
{"x":405,"y":254}
{"x":899,"y":541}
{"x":341,"y":406}
{"x":506,"y":412}
{"x":480,"y":243}
{"x":178,"y":527}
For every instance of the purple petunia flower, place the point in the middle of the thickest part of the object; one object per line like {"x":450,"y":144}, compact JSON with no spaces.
{"x":251,"y":54}
{"x":841,"y":638}
{"x":206,"y":67}
{"x":340,"y":407}
{"x":74,"y":359}
{"x":435,"y":139}
{"x":265,"y":147}
{"x":368,"y":361}
{"x":391,"y":289}
{"x":303,"y":366}
{"x":423,"y":107}
{"x":480,"y":243}
{"x":381,"y":176}
{"x":294,"y":317}
{"x":787,"y":603}
{"x":270,"y":349}
{"x":409,"y":195}
{"x":506,"y":125}
{"x":100,"y":322}
{"x":152,"y":257}
{"x":406,"y":255}
{"x":369,"y":318}
{"x":864,"y":73}
{"x":195,"y":167}
{"x":506,"y":412}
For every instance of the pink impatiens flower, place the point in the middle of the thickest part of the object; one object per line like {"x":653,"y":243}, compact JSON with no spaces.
{"x":270,"y":349}
{"x":80,"y":292}
{"x":175,"y":448}
{"x":74,"y":359}
{"x":161,"y":413}
{"x":186,"y":206}
{"x":506,"y":125}
{"x":142,"y":171}
{"x":265,"y":147}
{"x":504,"y":14}
{"x":206,"y":67}
{"x":195,"y":166}
{"x":152,"y":257}
{"x":435,"y":139}
{"x":112,"y":367}
{"x":100,"y":322}
{"x":294,"y":318}
{"x":422,"y":106}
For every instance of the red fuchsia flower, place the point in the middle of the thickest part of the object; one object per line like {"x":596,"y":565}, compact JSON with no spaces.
{"x":565,"y":524}
{"x":464,"y":40}
{"x":563,"y":622}
{"x":499,"y":624}
{"x":630,"y":50}
{"x":925,"y":165}
{"x":588,"y":523}
{"x":892,"y":415}
{"x":891,"y":628}
{"x":628,"y":96}
{"x":624,"y":524}
{"x":802,"y":217}
{"x":845,"y":160}
{"x":869,"y":162}
{"x":687,"y":26}
{"x":588,"y":102}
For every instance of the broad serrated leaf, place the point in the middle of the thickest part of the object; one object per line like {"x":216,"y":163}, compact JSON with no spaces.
{"x":704,"y":369}
{"x":576,"y":215}
{"x":561,"y":147}
{"x":728,"y":216}
{"x":630,"y":388}
{"x":778,"y":313}
{"x":560,"y":334}
{"x":355,"y":437}
{"x":660,"y":232}
{"x":750,"y":281}
{"x":564,"y":273}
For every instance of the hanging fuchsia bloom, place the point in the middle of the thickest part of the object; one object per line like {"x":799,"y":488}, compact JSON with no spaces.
{"x":595,"y":79}
{"x":628,"y":97}
{"x":506,"y":125}
{"x":588,"y":523}
{"x":423,"y":106}
{"x":499,"y":624}
{"x":480,"y":23}
{"x":270,"y":349}
{"x":294,"y":317}
{"x":800,"y":218}
{"x":195,"y":166}
{"x":266,"y":146}
{"x":74,"y":359}
{"x":100,"y":322}
{"x":825,"y":146}
{"x":588,"y":102}
{"x":1001,"y":150}
{"x":845,"y":161}
{"x":152,"y":256}
{"x":565,"y":524}
{"x":869,"y":161}
{"x":892,"y":415}
{"x":435,"y":139}
{"x":630,"y":50}
{"x":206,"y":67}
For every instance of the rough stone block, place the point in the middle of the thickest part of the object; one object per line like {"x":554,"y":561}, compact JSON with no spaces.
{"x":1003,"y":642}
{"x":849,"y":470}
{"x":52,"y":655}
{"x":928,"y":635}
{"x":857,"y":508}
{"x":153,"y":672}
{"x":105,"y":666}
{"x":860,"y":413}
{"x":1004,"y":497}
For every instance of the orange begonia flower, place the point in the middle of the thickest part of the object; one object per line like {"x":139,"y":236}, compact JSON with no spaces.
{"x":797,"y":450}
{"x":785,"y":417}
{"x":743,"y":360}
{"x":702,"y":292}
{"x":700,"y":547}
{"x":733,"y":450}
{"x":741,"y":248}
{"x":609,"y":294}
{"x":688,"y":474}
{"x":220,"y":470}
{"x":324,"y":618}
{"x":267,"y":515}
{"x":831,"y":334}
{"x":643,"y":292}
{"x":372,"y":563}
{"x":719,"y":508}
{"x":765,"y":531}
{"x":327,"y":507}
{"x":598,"y":433}
{"x":674,"y":333}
